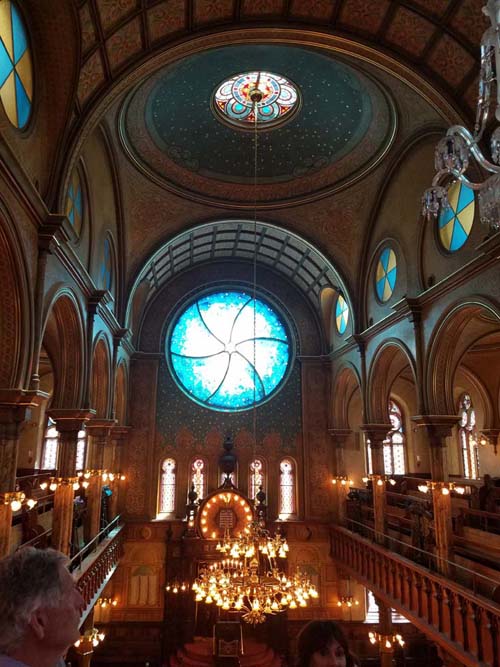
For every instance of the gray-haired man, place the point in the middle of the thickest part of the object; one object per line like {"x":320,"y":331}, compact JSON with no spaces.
{"x":40,"y":608}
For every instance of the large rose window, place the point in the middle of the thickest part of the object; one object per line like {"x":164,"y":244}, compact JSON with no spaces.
{"x":229,"y":351}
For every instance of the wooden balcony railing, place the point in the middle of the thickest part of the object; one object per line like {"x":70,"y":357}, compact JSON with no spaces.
{"x":465,"y":624}
{"x":96,"y":563}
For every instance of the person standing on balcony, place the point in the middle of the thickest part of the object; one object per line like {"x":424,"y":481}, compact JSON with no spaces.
{"x":40,"y":608}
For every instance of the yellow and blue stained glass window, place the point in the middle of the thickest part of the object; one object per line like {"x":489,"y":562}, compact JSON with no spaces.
{"x":229,"y":351}
{"x":455,"y":222}
{"x":233,"y":100}
{"x":16,"y":73}
{"x":74,"y":202}
{"x":341,"y":314}
{"x":386,"y":274}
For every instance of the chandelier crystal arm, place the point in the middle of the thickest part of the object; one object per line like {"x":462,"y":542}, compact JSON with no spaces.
{"x":454,"y":151}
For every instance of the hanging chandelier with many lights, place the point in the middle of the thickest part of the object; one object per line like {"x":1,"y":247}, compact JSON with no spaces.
{"x":460,"y":148}
{"x":250,"y":580}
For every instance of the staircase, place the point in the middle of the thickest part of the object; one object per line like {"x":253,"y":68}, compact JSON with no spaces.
{"x":199,"y":654}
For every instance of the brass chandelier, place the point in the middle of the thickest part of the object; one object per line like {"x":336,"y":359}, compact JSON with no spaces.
{"x":250,"y":580}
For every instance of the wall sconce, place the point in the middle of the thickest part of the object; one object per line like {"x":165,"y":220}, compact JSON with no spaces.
{"x":177,"y":587}
{"x":107,"y":602}
{"x":379,"y":480}
{"x":89,"y":641}
{"x":342,"y":480}
{"x":347,"y":601}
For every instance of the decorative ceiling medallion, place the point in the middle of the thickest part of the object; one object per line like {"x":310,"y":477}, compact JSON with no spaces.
{"x":345,"y":124}
{"x":455,"y":222}
{"x":234,"y":102}
{"x":385,"y":279}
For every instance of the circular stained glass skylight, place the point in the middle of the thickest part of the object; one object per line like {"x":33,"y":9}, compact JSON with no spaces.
{"x":385,"y":278}
{"x":16,"y":74}
{"x":341,"y":314}
{"x":233,"y":99}
{"x":455,"y":222}
{"x":228,"y":351}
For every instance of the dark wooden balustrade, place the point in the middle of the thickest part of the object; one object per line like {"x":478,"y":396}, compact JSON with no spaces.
{"x":94,"y":566}
{"x":465,"y":624}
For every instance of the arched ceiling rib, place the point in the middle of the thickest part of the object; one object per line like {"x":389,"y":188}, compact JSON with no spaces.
{"x":271,"y":246}
{"x":439,"y":37}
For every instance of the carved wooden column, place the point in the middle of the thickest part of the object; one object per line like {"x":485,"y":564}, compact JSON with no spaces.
{"x":340,"y":491}
{"x":14,"y":410}
{"x":119,"y":437}
{"x":68,"y":423}
{"x":377,"y":433}
{"x":438,"y":429}
{"x":98,"y":430}
{"x":386,"y":647}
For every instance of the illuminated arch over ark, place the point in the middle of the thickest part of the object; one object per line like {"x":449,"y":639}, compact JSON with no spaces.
{"x":16,"y":72}
{"x":228,"y":351}
{"x":224,"y":512}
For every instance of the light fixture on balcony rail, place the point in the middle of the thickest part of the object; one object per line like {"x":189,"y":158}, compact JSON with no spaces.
{"x":177,"y":587}
{"x":16,"y":499}
{"x":444,"y":487}
{"x":454,"y":152}
{"x":89,"y":641}
{"x":379,"y":480}
{"x":387,"y":641}
{"x":107,"y":602}
{"x":342,"y":480}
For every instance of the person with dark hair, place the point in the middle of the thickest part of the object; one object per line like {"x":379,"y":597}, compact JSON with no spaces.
{"x":323,"y":644}
{"x":40,"y":608}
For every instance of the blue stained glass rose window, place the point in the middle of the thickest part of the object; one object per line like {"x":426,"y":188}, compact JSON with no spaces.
{"x":228,"y":351}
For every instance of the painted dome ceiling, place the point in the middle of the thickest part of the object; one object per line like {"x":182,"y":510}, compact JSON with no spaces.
{"x":172,"y":132}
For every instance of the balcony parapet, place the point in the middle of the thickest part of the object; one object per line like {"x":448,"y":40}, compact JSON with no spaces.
{"x":463,"y":623}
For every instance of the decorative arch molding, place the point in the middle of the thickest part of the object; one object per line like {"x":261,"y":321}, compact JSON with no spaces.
{"x":16,"y":307}
{"x":69,"y":354}
{"x":390,"y":359}
{"x":459,"y":328}
{"x":121,"y":394}
{"x":100,"y":377}
{"x":344,"y":384}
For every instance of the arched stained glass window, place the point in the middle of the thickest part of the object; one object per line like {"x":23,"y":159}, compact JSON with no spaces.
{"x":167,"y":487}
{"x":256,"y":478}
{"x":288,"y":490}
{"x":74,"y":202}
{"x":394,"y":444}
{"x":16,"y":72}
{"x":233,"y":99}
{"x":198,"y":478}
{"x":468,"y":437}
{"x":81,"y":450}
{"x":386,"y":273}
{"x":341,"y":314}
{"x":229,"y":351}
{"x":50,"y":446}
{"x":233,"y":477}
{"x":455,"y":222}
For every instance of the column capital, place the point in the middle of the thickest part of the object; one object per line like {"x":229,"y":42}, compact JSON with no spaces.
{"x":439,"y":427}
{"x":340,"y":435}
{"x":376,"y":433}
{"x":70,"y":419}
{"x":55,"y":230}
{"x":16,"y":403}
{"x":100,"y":427}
